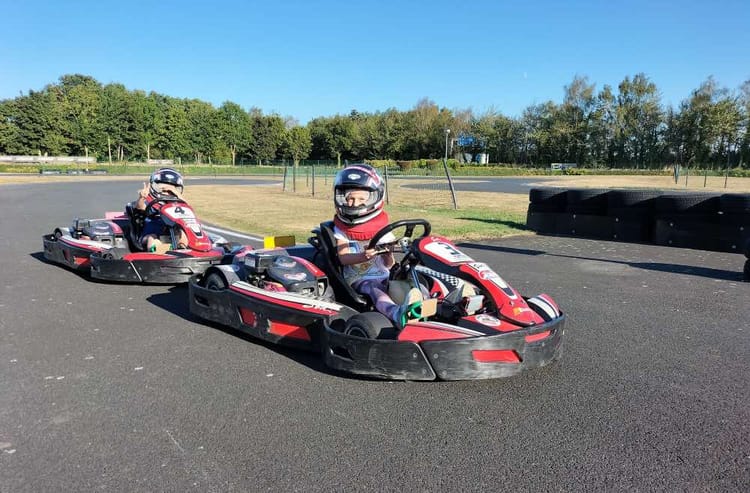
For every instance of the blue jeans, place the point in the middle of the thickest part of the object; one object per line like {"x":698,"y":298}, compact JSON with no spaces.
{"x":153,"y":227}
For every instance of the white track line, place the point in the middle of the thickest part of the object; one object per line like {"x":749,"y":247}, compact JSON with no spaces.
{"x":233,"y":233}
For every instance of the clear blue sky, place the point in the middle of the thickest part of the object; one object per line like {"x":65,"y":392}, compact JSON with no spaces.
{"x":322,"y":57}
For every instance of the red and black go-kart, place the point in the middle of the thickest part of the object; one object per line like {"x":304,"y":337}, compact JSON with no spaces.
{"x":109,"y":248}
{"x":472,"y":324}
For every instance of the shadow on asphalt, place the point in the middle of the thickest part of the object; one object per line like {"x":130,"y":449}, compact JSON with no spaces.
{"x":175,"y":300}
{"x":512,"y":224}
{"x":87,"y":276}
{"x":495,"y":248}
{"x":82,"y":274}
{"x":691,"y":270}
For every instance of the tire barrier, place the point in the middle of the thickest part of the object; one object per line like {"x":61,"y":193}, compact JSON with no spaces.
{"x":704,"y":221}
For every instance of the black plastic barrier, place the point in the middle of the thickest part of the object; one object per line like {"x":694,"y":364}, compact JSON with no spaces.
{"x":703,"y":221}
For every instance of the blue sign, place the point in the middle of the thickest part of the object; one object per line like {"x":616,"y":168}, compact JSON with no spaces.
{"x":465,"y":140}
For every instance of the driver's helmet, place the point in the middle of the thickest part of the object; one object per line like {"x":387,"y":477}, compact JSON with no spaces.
{"x":164,"y":181}
{"x":358,"y":177}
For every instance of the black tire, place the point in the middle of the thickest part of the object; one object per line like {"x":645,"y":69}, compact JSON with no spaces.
{"x":632,"y":230}
{"x":686,"y":203}
{"x":546,"y":208}
{"x":735,"y":203}
{"x":541,"y":222}
{"x":369,"y":325}
{"x":546,"y":194}
{"x":746,"y":249}
{"x":554,"y":198}
{"x":591,"y":226}
{"x":740,"y":221}
{"x":215,"y":281}
{"x":746,"y":272}
{"x":590,"y":201}
{"x":630,"y":213}
{"x":682,"y":232}
{"x":640,"y":199}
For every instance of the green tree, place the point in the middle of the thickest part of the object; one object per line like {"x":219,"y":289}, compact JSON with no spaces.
{"x":297,"y":144}
{"x":204,"y":136}
{"x":234,"y":127}
{"x":639,"y":117}
{"x":82,"y":105}
{"x":113,"y":119}
{"x":744,"y":145}
{"x":41,"y":122}
{"x":173,"y":137}
{"x":603,"y":128}
{"x":575,"y":119}
{"x":267,"y":135}
{"x":147,"y":121}
{"x":537,"y":122}
{"x":10,"y":135}
{"x":333,"y":137}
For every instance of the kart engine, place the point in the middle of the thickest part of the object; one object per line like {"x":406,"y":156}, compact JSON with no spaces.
{"x":280,"y":272}
{"x":102,"y":231}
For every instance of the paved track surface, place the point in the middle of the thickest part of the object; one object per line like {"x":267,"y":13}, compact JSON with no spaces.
{"x":117,"y":388}
{"x":488,"y":184}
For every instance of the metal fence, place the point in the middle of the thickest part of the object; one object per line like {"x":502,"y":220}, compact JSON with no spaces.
{"x":318,"y":180}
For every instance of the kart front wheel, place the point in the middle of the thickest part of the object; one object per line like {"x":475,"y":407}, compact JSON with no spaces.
{"x":216,"y":282}
{"x":369,"y":325}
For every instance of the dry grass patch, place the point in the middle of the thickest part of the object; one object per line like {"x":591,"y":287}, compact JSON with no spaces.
{"x":268,"y":210}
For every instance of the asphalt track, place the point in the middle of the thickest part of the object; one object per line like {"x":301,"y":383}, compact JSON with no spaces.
{"x":117,"y":388}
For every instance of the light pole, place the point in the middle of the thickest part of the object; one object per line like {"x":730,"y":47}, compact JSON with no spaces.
{"x":447,"y":173}
{"x":447,"y":134}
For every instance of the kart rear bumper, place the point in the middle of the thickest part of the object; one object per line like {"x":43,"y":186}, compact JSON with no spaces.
{"x":495,"y":356}
{"x":76,"y":258}
{"x":160,"y":270}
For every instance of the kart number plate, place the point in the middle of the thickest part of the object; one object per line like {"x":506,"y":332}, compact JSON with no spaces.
{"x":447,"y":252}
{"x":178,"y":212}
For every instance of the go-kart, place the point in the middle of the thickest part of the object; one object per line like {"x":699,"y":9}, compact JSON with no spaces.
{"x":471,"y":324}
{"x":110,"y":248}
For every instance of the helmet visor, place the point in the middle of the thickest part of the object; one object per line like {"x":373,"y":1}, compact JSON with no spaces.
{"x":166,"y":189}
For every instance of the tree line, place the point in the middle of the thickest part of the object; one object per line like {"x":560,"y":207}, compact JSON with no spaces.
{"x":626,"y":128}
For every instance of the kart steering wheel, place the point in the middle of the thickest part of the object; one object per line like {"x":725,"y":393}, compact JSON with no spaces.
{"x":409,"y":224}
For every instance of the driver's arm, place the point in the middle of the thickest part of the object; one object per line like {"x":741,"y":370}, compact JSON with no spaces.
{"x":140,"y":203}
{"x":387,"y":243}
{"x":347,"y":257}
{"x":388,"y":259}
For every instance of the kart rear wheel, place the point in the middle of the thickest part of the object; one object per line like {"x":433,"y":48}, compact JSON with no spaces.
{"x":369,"y":325}
{"x":216,"y":282}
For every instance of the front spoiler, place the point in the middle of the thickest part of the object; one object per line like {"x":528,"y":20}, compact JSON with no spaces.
{"x":160,"y":270}
{"x":448,"y":359}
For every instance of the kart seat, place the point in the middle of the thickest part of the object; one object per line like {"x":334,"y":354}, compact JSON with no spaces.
{"x":136,"y":219}
{"x":330,"y":264}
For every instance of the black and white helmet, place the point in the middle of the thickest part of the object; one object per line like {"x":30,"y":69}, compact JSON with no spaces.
{"x":165,"y":176}
{"x":358,"y":177}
